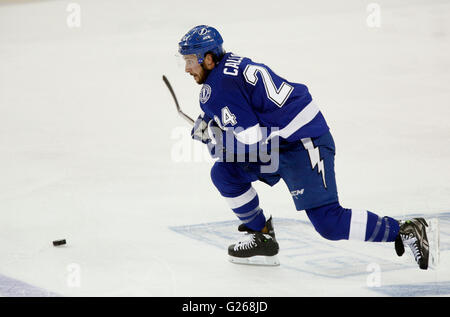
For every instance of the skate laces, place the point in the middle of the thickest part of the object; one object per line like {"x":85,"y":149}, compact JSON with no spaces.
{"x":245,"y":243}
{"x":411,"y":241}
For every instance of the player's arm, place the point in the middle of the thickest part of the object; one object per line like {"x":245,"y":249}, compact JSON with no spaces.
{"x":224,"y":135}
{"x":207,"y":129}
{"x":236,"y":132}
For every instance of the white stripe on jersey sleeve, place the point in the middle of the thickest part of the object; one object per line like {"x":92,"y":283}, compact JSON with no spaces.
{"x":302,"y":118}
{"x":250,"y":135}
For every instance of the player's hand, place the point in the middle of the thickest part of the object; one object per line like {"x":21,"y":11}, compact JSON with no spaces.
{"x":216,"y":140}
{"x":208,"y":132}
{"x":200,"y":130}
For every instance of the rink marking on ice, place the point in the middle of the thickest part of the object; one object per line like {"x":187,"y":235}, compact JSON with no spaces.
{"x":423,"y":289}
{"x":303,"y":250}
{"x":10,"y":287}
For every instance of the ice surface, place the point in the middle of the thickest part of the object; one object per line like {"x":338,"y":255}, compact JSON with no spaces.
{"x":89,"y":136}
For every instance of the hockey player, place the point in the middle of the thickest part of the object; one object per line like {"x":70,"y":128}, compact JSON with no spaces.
{"x":254,"y":107}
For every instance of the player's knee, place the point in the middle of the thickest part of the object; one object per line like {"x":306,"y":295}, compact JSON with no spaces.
{"x":217,"y":174}
{"x":330,"y":221}
{"x":222,"y":177}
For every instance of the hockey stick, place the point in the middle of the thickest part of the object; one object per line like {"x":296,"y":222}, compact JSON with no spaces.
{"x":180,"y":112}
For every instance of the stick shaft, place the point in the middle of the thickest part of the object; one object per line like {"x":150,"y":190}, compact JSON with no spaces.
{"x":180,"y":112}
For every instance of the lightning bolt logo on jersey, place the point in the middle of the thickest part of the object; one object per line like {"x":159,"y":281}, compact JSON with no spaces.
{"x":257,"y":98}
{"x":314,"y":157}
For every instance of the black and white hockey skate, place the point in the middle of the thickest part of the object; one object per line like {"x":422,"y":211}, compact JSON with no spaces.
{"x":413,"y":234}
{"x":243,"y":228}
{"x":255,"y":248}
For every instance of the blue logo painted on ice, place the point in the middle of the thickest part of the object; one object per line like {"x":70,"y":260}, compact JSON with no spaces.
{"x":303,"y":250}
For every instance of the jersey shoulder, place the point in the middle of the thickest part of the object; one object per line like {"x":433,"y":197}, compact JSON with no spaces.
{"x":228,"y":73}
{"x":225,"y":80}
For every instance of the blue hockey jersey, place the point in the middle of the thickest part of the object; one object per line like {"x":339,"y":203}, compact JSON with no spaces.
{"x":258,"y":104}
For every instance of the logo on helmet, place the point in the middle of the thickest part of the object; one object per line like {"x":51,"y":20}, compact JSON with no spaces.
{"x":205,"y":93}
{"x":203,"y":31}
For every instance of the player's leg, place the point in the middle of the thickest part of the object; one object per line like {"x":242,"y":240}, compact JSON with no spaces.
{"x":334,"y":222}
{"x":308,"y":170}
{"x":313,"y":186}
{"x":235,"y":186}
{"x":258,"y":246}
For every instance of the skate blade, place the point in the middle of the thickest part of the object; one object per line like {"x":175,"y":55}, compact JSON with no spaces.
{"x":433,"y":241}
{"x":256,"y":260}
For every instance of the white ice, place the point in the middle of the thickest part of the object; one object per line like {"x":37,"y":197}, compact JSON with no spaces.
{"x":89,"y":136}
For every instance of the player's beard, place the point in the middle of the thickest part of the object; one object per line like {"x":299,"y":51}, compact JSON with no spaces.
{"x":203,"y":75}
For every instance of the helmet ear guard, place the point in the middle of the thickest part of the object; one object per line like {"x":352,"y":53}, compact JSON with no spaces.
{"x":201,"y":40}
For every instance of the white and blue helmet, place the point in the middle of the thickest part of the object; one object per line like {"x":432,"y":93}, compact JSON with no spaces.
{"x":201,"y":40}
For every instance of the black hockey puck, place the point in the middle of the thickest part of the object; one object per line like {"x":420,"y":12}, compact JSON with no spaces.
{"x":59,"y":242}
